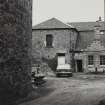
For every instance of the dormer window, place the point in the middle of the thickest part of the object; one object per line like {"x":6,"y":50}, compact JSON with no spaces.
{"x":49,"y":40}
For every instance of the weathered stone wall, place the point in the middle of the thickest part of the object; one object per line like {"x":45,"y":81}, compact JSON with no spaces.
{"x":62,"y":40}
{"x":15,"y":45}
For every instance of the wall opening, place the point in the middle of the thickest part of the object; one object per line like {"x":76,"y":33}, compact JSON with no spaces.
{"x":79,"y":66}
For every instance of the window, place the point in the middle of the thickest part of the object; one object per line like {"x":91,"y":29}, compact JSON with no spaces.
{"x":102,"y":32}
{"x":102,"y":60}
{"x":90,"y":60}
{"x":49,"y":40}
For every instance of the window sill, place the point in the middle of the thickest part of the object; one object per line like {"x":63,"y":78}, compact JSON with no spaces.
{"x":102,"y":65}
{"x":49,"y":47}
{"x":90,"y":66}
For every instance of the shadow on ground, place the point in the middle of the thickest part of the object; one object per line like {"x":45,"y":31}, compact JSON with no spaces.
{"x":36,"y":93}
{"x":7,"y":98}
{"x":102,"y":102}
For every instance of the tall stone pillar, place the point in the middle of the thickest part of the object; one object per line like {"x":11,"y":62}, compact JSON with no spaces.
{"x":15,"y":46}
{"x":104,"y":16}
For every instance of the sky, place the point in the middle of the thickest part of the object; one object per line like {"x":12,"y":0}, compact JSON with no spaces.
{"x":67,"y":10}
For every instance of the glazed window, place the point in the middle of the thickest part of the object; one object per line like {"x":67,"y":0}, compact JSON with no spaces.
{"x":102,"y":60}
{"x":49,"y":40}
{"x":90,"y":60}
{"x":102,"y":32}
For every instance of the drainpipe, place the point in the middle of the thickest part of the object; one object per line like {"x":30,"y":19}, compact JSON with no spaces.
{"x":72,"y":53}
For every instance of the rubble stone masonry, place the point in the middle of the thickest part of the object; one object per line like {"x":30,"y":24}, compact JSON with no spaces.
{"x":15,"y":45}
{"x":63,"y":39}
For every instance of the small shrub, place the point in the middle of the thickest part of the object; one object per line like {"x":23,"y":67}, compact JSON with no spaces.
{"x":52,"y":63}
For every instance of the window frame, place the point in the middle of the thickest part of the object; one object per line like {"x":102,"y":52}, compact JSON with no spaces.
{"x":48,"y":43}
{"x":90,"y":60}
{"x":102,"y":59}
{"x":102,"y":32}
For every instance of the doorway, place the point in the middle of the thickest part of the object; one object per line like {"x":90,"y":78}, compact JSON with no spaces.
{"x":61,"y":58}
{"x":79,"y":66}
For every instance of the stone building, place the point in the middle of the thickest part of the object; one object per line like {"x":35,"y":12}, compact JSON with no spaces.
{"x":84,"y":43}
{"x":52,"y":37}
{"x":90,"y":50}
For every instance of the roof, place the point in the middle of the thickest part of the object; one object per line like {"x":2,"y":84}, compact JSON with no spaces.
{"x":52,"y":23}
{"x":96,"y":45}
{"x":85,"y":40}
{"x":86,"y":26}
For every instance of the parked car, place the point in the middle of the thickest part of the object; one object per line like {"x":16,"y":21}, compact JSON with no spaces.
{"x":63,"y":70}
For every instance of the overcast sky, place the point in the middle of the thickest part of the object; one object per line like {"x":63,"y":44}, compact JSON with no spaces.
{"x":67,"y":10}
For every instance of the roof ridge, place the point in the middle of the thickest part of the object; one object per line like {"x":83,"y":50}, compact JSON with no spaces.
{"x":85,"y":22}
{"x":52,"y":23}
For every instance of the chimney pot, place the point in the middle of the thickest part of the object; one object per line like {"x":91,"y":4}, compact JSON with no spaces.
{"x":100,"y":19}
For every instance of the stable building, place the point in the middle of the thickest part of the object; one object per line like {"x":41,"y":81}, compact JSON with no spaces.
{"x":79,"y":44}
{"x":51,"y":38}
{"x":90,"y":50}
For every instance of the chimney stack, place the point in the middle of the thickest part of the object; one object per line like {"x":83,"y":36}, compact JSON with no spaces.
{"x":100,"y":19}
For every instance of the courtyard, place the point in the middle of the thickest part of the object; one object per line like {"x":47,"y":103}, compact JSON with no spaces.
{"x":81,"y":89}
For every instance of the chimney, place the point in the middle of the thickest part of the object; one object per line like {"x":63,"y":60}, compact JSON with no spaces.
{"x":100,"y":19}
{"x":97,"y":29}
{"x":97,"y":32}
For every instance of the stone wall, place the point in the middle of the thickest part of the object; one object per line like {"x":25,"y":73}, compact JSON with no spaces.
{"x":62,"y":40}
{"x":15,"y":45}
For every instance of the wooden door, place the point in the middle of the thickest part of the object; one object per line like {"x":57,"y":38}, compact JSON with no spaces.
{"x":61,"y":60}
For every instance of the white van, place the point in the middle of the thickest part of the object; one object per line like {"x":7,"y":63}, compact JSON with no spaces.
{"x":63,"y":69}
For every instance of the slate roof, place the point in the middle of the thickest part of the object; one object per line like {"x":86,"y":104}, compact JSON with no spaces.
{"x":86,"y":26}
{"x":52,"y":23}
{"x":85,"y":40}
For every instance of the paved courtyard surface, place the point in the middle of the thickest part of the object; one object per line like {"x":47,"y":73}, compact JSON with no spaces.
{"x":76,"y":90}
